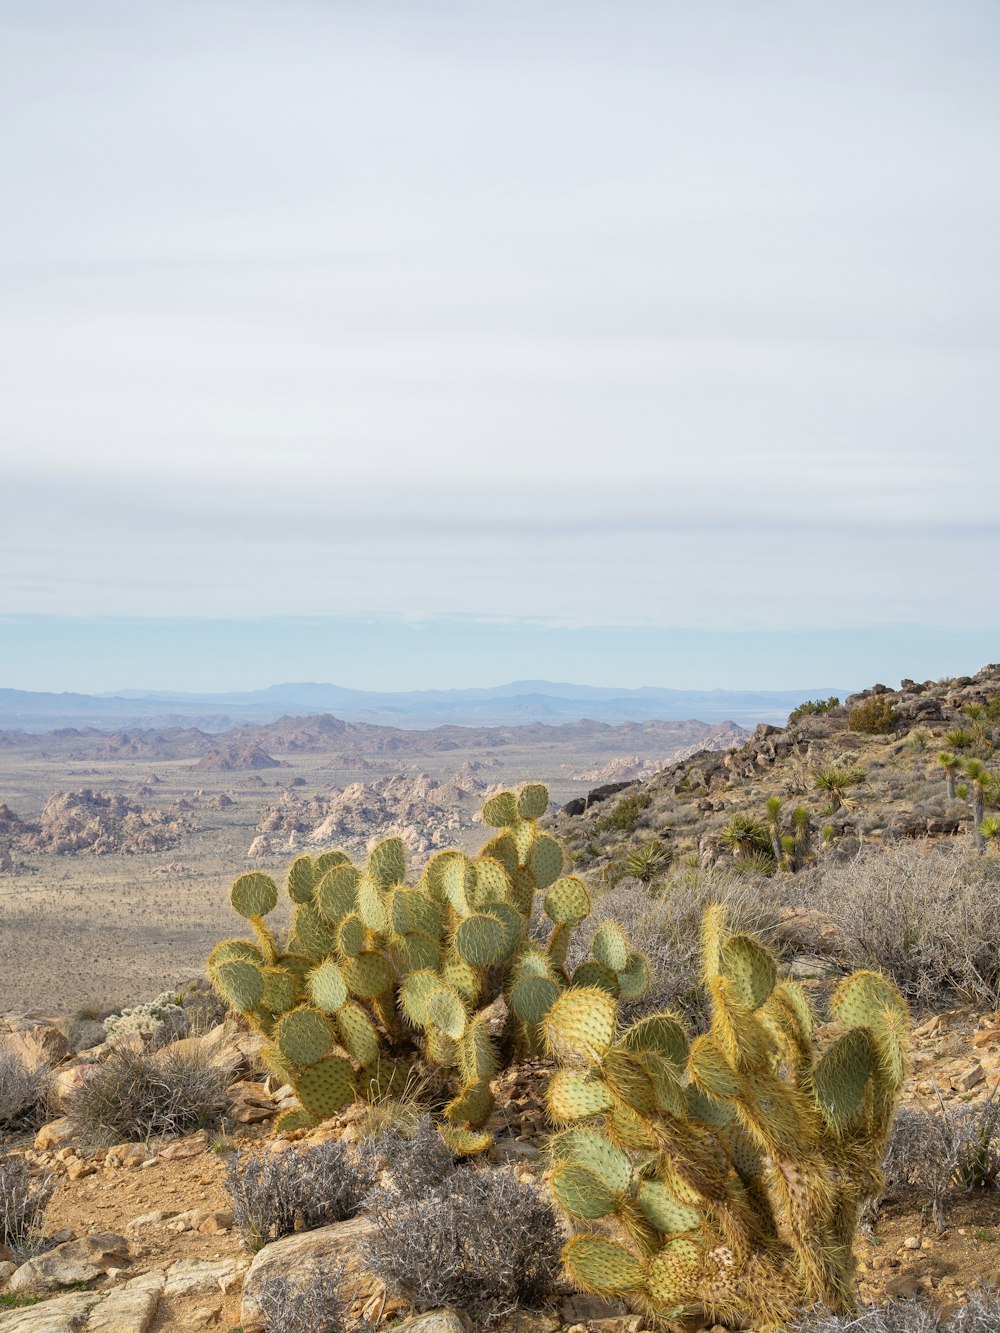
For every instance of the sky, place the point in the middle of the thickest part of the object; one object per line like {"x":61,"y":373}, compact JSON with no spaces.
{"x":439,"y":344}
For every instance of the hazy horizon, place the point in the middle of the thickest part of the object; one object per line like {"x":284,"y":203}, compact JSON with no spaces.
{"x":642,"y":343}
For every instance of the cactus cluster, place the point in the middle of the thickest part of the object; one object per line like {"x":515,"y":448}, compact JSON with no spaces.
{"x":377,"y":975}
{"x":723,"y":1176}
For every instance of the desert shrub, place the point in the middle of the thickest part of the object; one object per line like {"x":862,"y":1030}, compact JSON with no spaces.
{"x":927,"y":919}
{"x":919,"y":740}
{"x":24,"y":1092}
{"x":162,"y":1019}
{"x":625,"y":814}
{"x":874,"y":716}
{"x":745,"y":834}
{"x":415,"y":1164}
{"x":980,"y":1315}
{"x":315,"y":1306}
{"x":23,"y":1201}
{"x":203,"y":1010}
{"x":958,"y":739}
{"x":276,"y":1193}
{"x":482,"y":1240}
{"x":139,"y":1095}
{"x":956,"y":1149}
{"x":836,"y":779}
{"x":814,"y":708}
{"x":667,"y":929}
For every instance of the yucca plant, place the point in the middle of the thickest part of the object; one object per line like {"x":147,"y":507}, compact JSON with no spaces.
{"x":745,"y":835}
{"x":958,"y":739}
{"x":648,"y":860}
{"x":836,"y":780}
{"x":975,"y":771}
{"x":990,"y":830}
{"x":950,"y":763}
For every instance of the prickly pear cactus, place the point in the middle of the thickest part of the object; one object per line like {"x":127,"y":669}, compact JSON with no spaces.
{"x":377,"y":975}
{"x":726,"y":1174}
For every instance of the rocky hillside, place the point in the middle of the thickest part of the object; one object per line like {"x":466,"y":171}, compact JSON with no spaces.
{"x":865,"y":770}
{"x":91,"y":821}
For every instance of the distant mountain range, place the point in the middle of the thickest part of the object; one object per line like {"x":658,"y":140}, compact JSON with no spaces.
{"x":520,"y":702}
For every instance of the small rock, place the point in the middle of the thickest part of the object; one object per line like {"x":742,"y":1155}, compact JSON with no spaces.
{"x":6,"y":1268}
{"x":204,"y":1275}
{"x":77,"y":1169}
{"x":189,"y":1147}
{"x":73,"y":1261}
{"x":56,"y":1134}
{"x":911,"y":1243}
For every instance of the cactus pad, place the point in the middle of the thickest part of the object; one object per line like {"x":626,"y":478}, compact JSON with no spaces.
{"x":254,"y":895}
{"x":481,"y":940}
{"x":567,"y":902}
{"x":387,"y":862}
{"x":601,"y":1266}
{"x":241,"y":984}
{"x":303,"y":1036}
{"x":591,"y":1148}
{"x":533,"y":801}
{"x":581,"y":1193}
{"x":357,"y":1033}
{"x":301,"y":879}
{"x":573,"y":1096}
{"x":500,"y":810}
{"x":447,"y":1012}
{"x":546,"y":861}
{"x":581,"y":1024}
{"x":326,"y":1088}
{"x":368,"y":975}
{"x":611,"y":947}
{"x":532,"y":997}
{"x":337,"y":892}
{"x":327,"y":987}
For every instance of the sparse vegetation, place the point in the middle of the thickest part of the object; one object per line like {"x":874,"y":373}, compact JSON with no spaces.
{"x":981,"y":1314}
{"x":140,"y":1095}
{"x":275,"y":1194}
{"x":648,"y":861}
{"x":316,"y":1306}
{"x":481,"y":1240}
{"x":625,"y":814}
{"x":874,"y":716}
{"x":814,"y":708}
{"x":23,"y":1201}
{"x":24,"y":1092}
{"x":837,"y":780}
{"x":945,"y":1152}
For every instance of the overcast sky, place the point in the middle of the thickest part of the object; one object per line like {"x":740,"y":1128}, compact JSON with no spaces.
{"x":593,"y":317}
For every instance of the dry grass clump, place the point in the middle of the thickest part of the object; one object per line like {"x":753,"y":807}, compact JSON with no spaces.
{"x":25,"y":1092}
{"x":481,"y":1240}
{"x":135,"y":1096}
{"x":980,"y":1315}
{"x":953,"y":1150}
{"x":276,"y":1193}
{"x":413,"y":1164}
{"x":667,"y":928}
{"x":927,"y":919}
{"x":23,"y":1201}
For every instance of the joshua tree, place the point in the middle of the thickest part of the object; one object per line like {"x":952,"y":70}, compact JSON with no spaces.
{"x":835,"y":781}
{"x":802,"y":826}
{"x":950,"y":763}
{"x":975,"y":771}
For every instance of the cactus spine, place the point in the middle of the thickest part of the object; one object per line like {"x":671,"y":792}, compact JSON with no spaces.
{"x":726,"y":1173}
{"x":376,"y":974}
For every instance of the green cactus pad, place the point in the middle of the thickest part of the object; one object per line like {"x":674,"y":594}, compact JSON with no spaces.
{"x":533,"y":962}
{"x":567,"y":902}
{"x":581,"y":1024}
{"x":749,"y":969}
{"x":477,"y":1057}
{"x":458,"y":881}
{"x":240,"y":984}
{"x":312,"y":933}
{"x":414,"y":952}
{"x":387,"y":862}
{"x":572,"y":1096}
{"x":672,"y":1271}
{"x":292,"y":1119}
{"x":358,"y":1034}
{"x":439,"y":1049}
{"x":280,"y":990}
{"x":504,"y":850}
{"x":629,"y":1129}
{"x":662,"y":1033}
{"x":234,"y":951}
{"x":522,"y":890}
{"x":414,"y":993}
{"x":634,"y":978}
{"x":596,"y":974}
{"x":533,"y":801}
{"x":473,"y":1106}
{"x":500,"y":810}
{"x":326,"y":1088}
{"x":492,"y":882}
{"x":351,"y":936}
{"x":461,"y":976}
{"x":465,"y":1142}
{"x":840,"y":1076}
{"x":254,"y":895}
{"x":303,"y":1036}
{"x":432,"y":880}
{"x":546,"y":862}
{"x":301,"y":879}
{"x":522,"y":833}
{"x":711,"y":1071}
{"x":267,"y":941}
{"x":513,"y":925}
{"x":601,"y":1266}
{"x":368,"y":975}
{"x":372,"y":907}
{"x":327,"y":987}
{"x":558,"y":947}
{"x":412,"y":910}
{"x":664,"y":1211}
{"x":531,"y":998}
{"x":708,"y":1110}
{"x":610,"y":946}
{"x":581,"y":1193}
{"x":481,"y":940}
{"x":337,"y":892}
{"x":589,"y":1147}
{"x":447,"y":1012}
{"x":864,"y":999}
{"x":327,"y":860}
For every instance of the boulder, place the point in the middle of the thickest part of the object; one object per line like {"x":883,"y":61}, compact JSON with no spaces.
{"x":127,"y":1309}
{"x":295,"y":1259}
{"x":204,"y":1276}
{"x":74,"y":1261}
